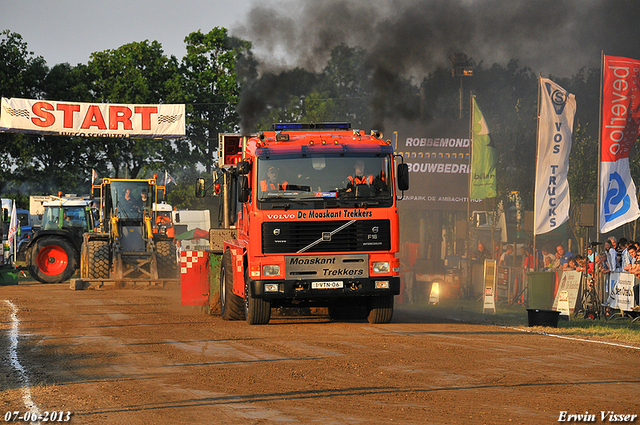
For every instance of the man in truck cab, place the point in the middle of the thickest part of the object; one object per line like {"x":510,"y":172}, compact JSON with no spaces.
{"x":273,"y":181}
{"x":360,"y":179}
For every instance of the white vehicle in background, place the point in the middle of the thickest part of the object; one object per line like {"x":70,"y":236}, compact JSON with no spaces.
{"x":185,"y":220}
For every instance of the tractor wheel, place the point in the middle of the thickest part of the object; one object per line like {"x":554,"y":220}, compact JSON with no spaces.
{"x":166,"y":258}
{"x":98,"y":263}
{"x":52,"y":260}
{"x":256,"y":310}
{"x":381,"y":309}
{"x":230,"y":304}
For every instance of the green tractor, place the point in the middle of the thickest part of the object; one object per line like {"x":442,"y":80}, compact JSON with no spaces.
{"x":53,"y":253}
{"x":130,"y":243}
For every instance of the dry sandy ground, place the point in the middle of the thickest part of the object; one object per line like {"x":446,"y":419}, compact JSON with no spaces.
{"x":139,"y":357}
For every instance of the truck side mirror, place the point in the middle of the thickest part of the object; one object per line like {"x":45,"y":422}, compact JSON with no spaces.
{"x":200,"y":188}
{"x":403,"y":176}
{"x":243,"y":193}
{"x":244,"y":167}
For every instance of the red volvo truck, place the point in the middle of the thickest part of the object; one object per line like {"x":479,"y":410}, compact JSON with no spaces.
{"x":322,"y":232}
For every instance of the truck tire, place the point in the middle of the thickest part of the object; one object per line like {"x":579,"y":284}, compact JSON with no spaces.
{"x":231,"y":307}
{"x":381,"y":309}
{"x":52,"y":260}
{"x":166,"y":258}
{"x":98,"y":263}
{"x":256,"y":310}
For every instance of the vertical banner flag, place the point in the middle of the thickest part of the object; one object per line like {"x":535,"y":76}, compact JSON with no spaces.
{"x":13,"y":227}
{"x":483,"y":157}
{"x":555,"y":128}
{"x":620,"y":124}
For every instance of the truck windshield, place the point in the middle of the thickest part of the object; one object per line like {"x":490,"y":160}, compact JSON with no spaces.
{"x":130,"y":199}
{"x":362,"y":178}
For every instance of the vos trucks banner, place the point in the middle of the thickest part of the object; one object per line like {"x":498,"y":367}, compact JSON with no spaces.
{"x":92,"y":119}
{"x":620,"y":123}
{"x":555,"y":128}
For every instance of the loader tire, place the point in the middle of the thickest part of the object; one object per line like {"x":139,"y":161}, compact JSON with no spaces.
{"x":166,"y":259}
{"x":381,"y":309}
{"x":257,"y":311}
{"x":231,"y":305}
{"x":98,"y":259}
{"x":52,"y":260}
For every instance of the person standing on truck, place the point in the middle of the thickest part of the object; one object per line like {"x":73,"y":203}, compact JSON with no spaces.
{"x":273,"y":181}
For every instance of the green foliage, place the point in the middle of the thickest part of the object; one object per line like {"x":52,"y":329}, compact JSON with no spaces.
{"x":210,"y":89}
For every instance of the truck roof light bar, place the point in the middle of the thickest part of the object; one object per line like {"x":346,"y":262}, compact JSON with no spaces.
{"x":312,"y":126}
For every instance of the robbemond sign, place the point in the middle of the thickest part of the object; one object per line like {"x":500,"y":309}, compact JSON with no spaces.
{"x":438,"y":167}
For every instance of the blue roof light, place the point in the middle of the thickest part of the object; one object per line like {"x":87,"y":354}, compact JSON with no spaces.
{"x":312,"y":126}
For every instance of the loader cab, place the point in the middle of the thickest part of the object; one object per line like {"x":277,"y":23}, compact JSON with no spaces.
{"x":129,"y":200}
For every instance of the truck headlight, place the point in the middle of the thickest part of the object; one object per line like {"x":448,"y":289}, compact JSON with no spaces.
{"x":381,"y":267}
{"x":271,"y":270}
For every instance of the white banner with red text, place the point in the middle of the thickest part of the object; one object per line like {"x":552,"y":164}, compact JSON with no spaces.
{"x":92,"y":119}
{"x":619,"y":131}
{"x":555,"y":129}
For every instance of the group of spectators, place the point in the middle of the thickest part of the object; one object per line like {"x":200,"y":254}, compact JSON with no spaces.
{"x":618,"y":256}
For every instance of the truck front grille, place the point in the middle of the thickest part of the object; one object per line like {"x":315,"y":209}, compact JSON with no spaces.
{"x":326,"y":236}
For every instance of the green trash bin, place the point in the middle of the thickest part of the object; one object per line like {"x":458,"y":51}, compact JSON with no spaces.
{"x":541,"y":289}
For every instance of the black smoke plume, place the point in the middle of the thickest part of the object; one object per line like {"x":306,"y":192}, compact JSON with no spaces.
{"x":410,"y":38}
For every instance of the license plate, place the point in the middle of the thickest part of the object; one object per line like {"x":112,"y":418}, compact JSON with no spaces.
{"x":327,"y":285}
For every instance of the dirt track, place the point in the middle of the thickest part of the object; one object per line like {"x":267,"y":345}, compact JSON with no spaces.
{"x":138,"y":357}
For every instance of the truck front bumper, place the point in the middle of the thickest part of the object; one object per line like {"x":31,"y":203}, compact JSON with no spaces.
{"x":318,"y":289}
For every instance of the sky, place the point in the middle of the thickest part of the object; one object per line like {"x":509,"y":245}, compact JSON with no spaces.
{"x":70,"y":30}
{"x":554,"y":37}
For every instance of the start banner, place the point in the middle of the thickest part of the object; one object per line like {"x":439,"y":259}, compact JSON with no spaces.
{"x":92,"y":119}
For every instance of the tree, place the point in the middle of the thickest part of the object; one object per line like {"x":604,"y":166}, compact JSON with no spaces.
{"x":21,"y":75}
{"x":211,"y":89}
{"x":136,"y":73}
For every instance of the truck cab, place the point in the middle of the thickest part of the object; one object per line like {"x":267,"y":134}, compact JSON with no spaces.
{"x":324,"y":233}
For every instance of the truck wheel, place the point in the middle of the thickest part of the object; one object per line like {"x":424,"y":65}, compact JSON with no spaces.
{"x":256,"y":310}
{"x":166,"y":257}
{"x":381,"y":309}
{"x":52,"y":260}
{"x":98,"y":259}
{"x":230,"y":304}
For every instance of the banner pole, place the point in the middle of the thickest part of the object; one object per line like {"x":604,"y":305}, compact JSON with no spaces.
{"x":535,"y":209}
{"x":598,"y":206}
{"x":469,"y":221}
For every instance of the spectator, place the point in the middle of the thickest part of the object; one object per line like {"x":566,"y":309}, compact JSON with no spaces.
{"x":527,"y":258}
{"x":563,"y":255}
{"x":602,"y":264}
{"x":628,"y":256}
{"x":612,"y":256}
{"x":481,"y":254}
{"x":548,"y":264}
{"x":570,"y":264}
{"x":506,"y":259}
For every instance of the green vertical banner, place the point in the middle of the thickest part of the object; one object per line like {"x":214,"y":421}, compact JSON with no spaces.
{"x":483,"y":157}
